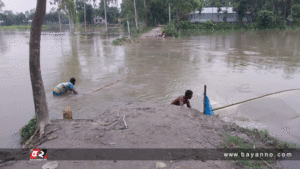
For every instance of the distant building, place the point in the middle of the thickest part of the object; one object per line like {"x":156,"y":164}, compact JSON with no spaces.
{"x":212,"y":13}
{"x":99,"y":20}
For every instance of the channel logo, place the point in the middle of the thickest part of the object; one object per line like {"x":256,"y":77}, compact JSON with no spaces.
{"x":38,"y":154}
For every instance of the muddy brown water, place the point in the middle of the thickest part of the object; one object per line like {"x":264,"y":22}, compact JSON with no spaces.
{"x":235,"y":67}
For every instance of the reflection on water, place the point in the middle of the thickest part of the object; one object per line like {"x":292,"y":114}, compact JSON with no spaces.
{"x":234,"y":67}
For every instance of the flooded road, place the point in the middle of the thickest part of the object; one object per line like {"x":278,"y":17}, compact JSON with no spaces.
{"x":235,"y":67}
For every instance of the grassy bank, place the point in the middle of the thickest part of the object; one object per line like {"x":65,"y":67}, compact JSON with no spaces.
{"x":262,"y":140}
{"x":20,"y":27}
{"x":28,"y":130}
{"x":187,"y":28}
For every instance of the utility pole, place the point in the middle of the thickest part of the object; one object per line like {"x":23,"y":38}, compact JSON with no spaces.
{"x":128,"y":26}
{"x":105,"y":15}
{"x":135,"y":13}
{"x":70,"y":25}
{"x":59,"y":21}
{"x":169,"y":12}
{"x":84,"y":17}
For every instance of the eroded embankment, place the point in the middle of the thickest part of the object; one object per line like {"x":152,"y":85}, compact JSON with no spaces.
{"x":149,"y":125}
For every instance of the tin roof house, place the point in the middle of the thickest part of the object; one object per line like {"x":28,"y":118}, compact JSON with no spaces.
{"x":212,"y":13}
{"x":99,"y":20}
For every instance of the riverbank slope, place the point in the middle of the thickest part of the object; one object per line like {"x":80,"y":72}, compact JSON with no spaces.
{"x":154,"y":33}
{"x":149,"y":125}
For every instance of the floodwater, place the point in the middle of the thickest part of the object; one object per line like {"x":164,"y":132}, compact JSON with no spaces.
{"x":235,"y":67}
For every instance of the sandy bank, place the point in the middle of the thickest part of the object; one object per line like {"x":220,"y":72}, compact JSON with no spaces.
{"x":154,"y":33}
{"x":149,"y":126}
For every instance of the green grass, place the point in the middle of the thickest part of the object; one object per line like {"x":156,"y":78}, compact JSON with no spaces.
{"x":20,"y":27}
{"x":237,"y":142}
{"x":28,"y":130}
{"x":262,"y":136}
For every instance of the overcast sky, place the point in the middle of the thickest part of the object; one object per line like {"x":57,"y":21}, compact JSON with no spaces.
{"x":26,"y":5}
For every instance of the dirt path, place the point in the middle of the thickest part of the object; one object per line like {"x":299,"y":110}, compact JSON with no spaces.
{"x":149,"y":126}
{"x":154,"y":33}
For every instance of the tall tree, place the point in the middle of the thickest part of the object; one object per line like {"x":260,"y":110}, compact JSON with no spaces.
{"x":19,"y":18}
{"x":146,"y":13}
{"x":274,"y":2}
{"x":241,"y":7}
{"x":84,"y":2}
{"x":105,"y":15}
{"x":1,"y":5}
{"x":112,"y":13}
{"x":58,"y":11}
{"x":80,"y":12}
{"x":182,"y":8}
{"x":84,"y":17}
{"x":199,"y":5}
{"x":135,"y":15}
{"x":68,"y":6}
{"x":105,"y":2}
{"x":39,"y":95}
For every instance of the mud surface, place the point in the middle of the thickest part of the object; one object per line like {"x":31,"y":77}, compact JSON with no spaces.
{"x":149,"y":126}
{"x":154,"y":33}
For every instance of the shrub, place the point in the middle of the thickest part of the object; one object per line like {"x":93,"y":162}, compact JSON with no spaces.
{"x":265,"y":19}
{"x":120,"y":41}
{"x":27,"y":131}
{"x":184,"y":24}
{"x":208,"y":25}
{"x":282,"y":24}
{"x":170,"y":29}
{"x":296,"y":11}
{"x":251,"y":26}
{"x":297,"y":22}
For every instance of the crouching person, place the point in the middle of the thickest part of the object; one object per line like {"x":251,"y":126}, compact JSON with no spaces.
{"x":63,"y":88}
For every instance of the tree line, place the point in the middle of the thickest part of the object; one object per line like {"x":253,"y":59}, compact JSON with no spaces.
{"x":151,"y":12}
{"x":66,"y":11}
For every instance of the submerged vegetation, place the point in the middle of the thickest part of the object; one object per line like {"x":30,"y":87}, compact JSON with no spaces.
{"x":121,"y":41}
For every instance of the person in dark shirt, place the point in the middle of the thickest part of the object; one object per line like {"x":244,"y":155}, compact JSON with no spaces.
{"x":181,"y":100}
